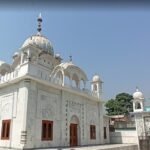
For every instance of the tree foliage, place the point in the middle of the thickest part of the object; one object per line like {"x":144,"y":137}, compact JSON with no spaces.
{"x":122,"y":104}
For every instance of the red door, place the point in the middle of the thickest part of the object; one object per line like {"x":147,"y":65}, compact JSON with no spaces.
{"x":73,"y":135}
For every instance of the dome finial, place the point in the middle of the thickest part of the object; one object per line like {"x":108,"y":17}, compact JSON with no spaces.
{"x":39,"y":23}
{"x":137,"y":89}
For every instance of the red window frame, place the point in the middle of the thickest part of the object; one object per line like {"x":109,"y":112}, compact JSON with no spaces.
{"x":47,"y":130}
{"x":92,"y":132}
{"x":5,"y":130}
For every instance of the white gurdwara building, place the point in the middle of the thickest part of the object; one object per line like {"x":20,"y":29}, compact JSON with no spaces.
{"x":44,"y":102}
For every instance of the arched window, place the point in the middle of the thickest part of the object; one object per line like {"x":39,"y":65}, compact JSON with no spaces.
{"x":82,"y":84}
{"x":137,"y":105}
{"x":95,"y":87}
{"x":74,"y":84}
{"x":75,"y":80}
{"x":59,"y":78}
{"x":25,"y":57}
{"x":67,"y":80}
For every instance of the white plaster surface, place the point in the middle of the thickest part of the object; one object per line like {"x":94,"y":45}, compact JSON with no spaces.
{"x":123,"y":137}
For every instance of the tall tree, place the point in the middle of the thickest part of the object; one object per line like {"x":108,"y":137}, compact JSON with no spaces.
{"x":122,"y":104}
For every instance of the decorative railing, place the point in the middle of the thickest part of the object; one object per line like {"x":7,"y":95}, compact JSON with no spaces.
{"x":9,"y":76}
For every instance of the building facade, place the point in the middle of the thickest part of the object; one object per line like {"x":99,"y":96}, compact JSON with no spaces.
{"x":44,"y":102}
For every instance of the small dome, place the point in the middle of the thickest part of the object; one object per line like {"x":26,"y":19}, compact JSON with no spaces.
{"x":2,"y":62}
{"x":57,"y":55}
{"x":138,"y":94}
{"x":40,"y":42}
{"x":96,"y":78}
{"x":15,"y":54}
{"x":4,"y":68}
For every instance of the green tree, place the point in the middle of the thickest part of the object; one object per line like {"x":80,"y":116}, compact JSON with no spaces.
{"x":122,"y":104}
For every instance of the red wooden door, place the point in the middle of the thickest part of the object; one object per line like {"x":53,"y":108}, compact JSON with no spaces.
{"x":73,"y":135}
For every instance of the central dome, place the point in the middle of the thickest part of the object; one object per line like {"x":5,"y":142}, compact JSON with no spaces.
{"x":40,"y":42}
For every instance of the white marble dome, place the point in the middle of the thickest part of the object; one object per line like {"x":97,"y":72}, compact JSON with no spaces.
{"x":2,"y":62}
{"x":15,"y":54}
{"x":96,"y":78}
{"x":40,"y":42}
{"x":138,"y":95}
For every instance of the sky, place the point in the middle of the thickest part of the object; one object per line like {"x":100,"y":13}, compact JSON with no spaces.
{"x":113,"y":42}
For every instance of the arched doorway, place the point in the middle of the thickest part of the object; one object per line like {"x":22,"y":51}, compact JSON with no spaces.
{"x":74,"y":131}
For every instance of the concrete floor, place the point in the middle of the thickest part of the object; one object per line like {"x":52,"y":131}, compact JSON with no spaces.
{"x":97,"y":147}
{"x":100,"y":147}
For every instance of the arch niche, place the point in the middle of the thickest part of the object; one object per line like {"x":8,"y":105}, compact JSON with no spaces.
{"x":137,"y":105}
{"x":74,"y":131}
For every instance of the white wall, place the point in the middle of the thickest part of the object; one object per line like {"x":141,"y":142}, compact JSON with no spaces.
{"x":124,"y":136}
{"x":31,"y":102}
{"x":106,"y":124}
{"x":46,"y":103}
{"x":87,"y":112}
{"x":12,"y":106}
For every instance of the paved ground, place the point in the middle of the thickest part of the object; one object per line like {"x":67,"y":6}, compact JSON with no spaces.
{"x":100,"y":147}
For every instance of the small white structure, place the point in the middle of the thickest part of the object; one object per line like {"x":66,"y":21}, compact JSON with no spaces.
{"x":45,"y":103}
{"x":138,"y":101}
{"x":96,"y":86}
{"x":142,"y":120}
